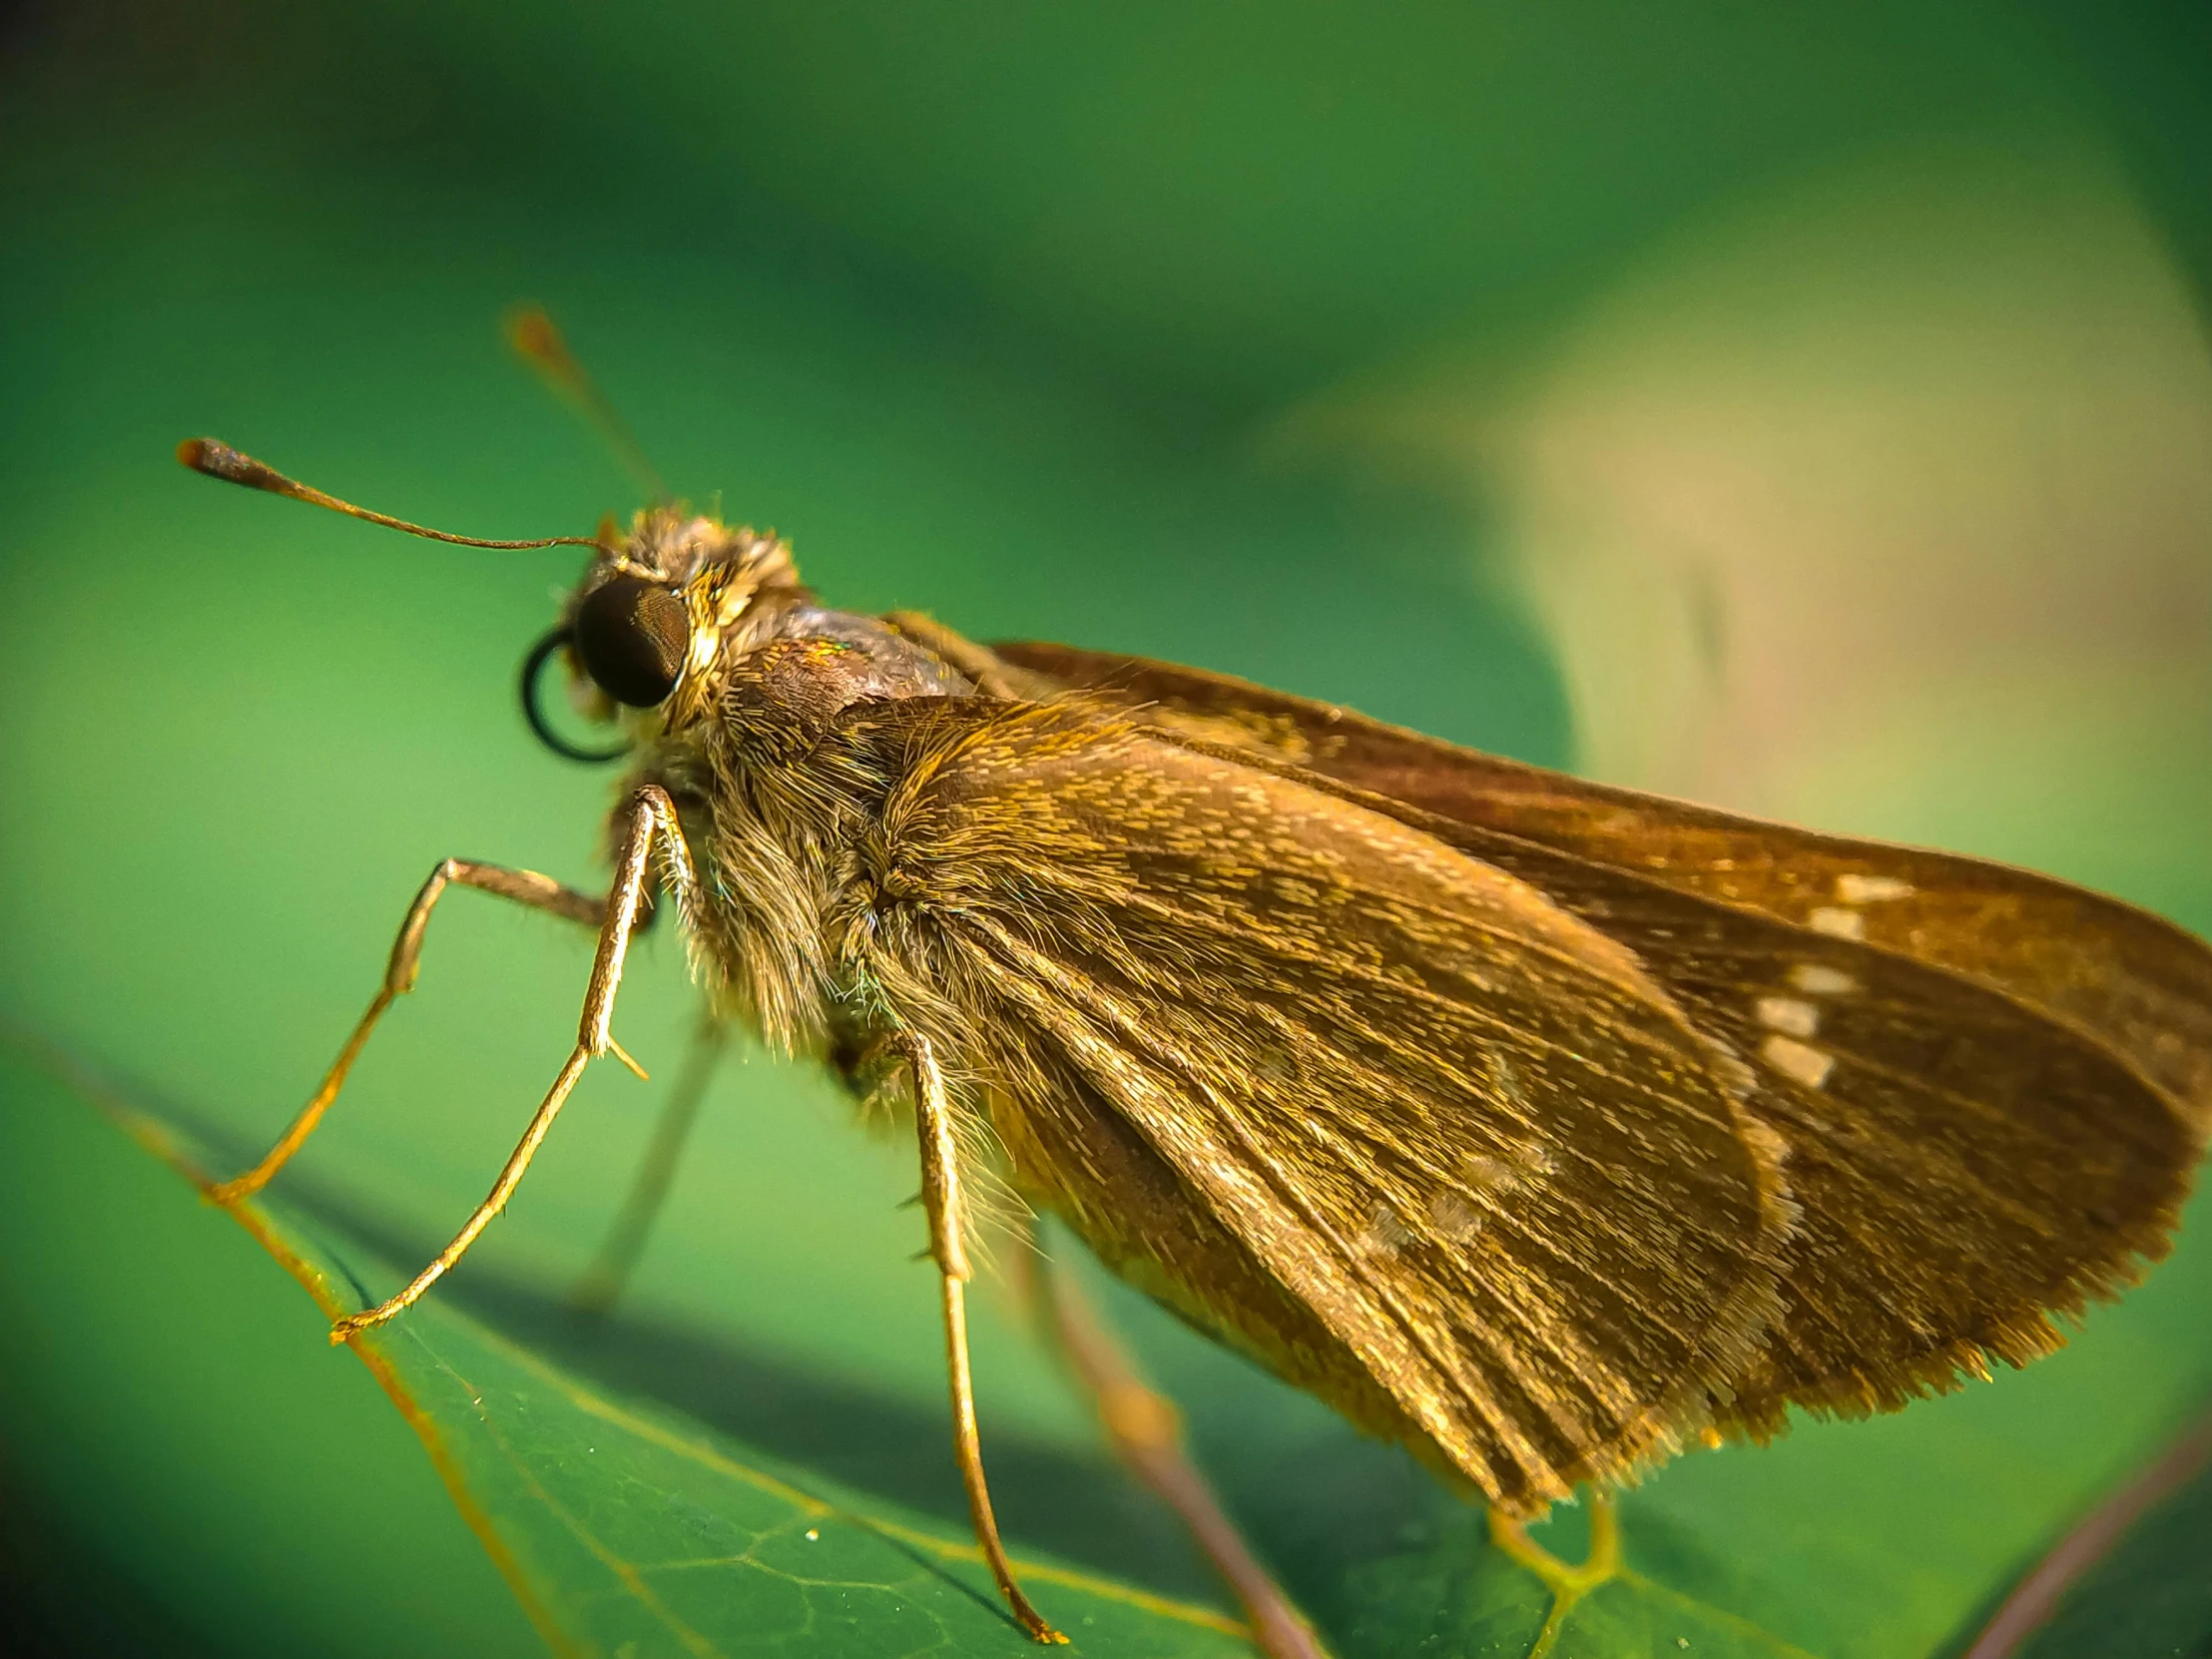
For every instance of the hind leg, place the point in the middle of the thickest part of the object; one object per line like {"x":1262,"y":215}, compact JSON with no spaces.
{"x":1147,"y":1435}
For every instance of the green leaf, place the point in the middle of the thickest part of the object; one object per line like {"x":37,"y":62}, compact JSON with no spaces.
{"x":629,"y":1529}
{"x":649,"y":1487}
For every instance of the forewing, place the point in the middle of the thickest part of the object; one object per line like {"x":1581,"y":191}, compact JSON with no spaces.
{"x":1483,"y":1156}
{"x":1994,"y":1085}
{"x":2130,"y":981}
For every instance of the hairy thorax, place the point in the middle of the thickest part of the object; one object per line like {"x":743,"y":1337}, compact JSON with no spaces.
{"x":774,"y":798}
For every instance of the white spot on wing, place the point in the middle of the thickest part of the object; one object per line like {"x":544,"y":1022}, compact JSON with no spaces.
{"x":1734,"y":1076}
{"x":1506,"y":1077}
{"x":1794,"y":1059}
{"x":1455,"y":1218}
{"x":1834,"y":919}
{"x":1815,"y":980}
{"x":1871,"y":889}
{"x":1384,"y":1235}
{"x":1788,"y":1013}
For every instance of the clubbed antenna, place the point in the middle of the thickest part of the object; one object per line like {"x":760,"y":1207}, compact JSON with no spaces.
{"x":531,"y":333}
{"x":219,"y":460}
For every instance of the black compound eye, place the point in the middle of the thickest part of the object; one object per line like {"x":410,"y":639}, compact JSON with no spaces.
{"x":631,"y":637}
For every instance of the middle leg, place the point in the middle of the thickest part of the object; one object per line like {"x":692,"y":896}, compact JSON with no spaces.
{"x":1147,"y":1435}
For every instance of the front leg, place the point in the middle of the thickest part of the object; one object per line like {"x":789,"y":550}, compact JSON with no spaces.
{"x":940,"y":1193}
{"x":651,"y":829}
{"x":523,"y":887}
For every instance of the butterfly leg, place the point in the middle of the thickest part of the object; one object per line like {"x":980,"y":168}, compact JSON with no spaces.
{"x":651,"y":829}
{"x":940,"y":1191}
{"x":523,"y":887}
{"x":1145,"y":1431}
{"x":602,"y":1284}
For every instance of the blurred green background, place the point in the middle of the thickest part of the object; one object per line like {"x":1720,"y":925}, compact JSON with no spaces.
{"x":1807,"y":409}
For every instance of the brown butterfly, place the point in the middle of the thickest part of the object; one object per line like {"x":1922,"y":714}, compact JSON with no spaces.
{"x":1541,"y":1127}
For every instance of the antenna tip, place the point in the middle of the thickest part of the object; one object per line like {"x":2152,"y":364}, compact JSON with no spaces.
{"x":219,"y":460}
{"x":532,"y":335}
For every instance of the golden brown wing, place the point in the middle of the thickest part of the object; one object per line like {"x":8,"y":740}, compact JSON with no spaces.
{"x":1994,"y":1085}
{"x":1384,"y":1116}
{"x":2137,"y":983}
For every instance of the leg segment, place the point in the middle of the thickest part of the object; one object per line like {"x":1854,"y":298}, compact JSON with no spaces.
{"x":1146,"y":1432}
{"x":524,"y":886}
{"x":940,"y":1191}
{"x":651,"y":829}
{"x":603,"y":1281}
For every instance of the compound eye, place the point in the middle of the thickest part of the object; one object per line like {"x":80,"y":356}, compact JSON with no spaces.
{"x":631,"y":637}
